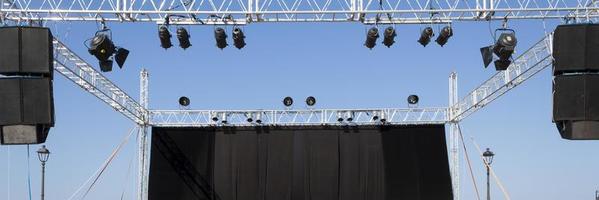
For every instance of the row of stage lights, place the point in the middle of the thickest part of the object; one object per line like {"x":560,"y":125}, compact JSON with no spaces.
{"x":256,"y":117}
{"x":183,"y":36}
{"x":103,"y":48}
{"x":425,"y":36}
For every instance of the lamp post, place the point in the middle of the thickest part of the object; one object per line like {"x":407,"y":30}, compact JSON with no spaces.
{"x":488,"y":156}
{"x":43,"y":155}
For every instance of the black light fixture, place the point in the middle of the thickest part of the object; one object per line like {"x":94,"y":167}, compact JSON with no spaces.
{"x":165,"y":37}
{"x":259,"y":118}
{"x":371,"y":37}
{"x":340,"y":117}
{"x":413,"y":99}
{"x":349,"y":116}
{"x":223,"y":118}
{"x":488,"y":157}
{"x":249,"y":117}
{"x":389,"y":36}
{"x":184,"y":101}
{"x":310,"y":101}
{"x":425,"y":36}
{"x":503,"y":48}
{"x":183,"y":37}
{"x":214,"y":116}
{"x":446,"y":33}
{"x":221,"y":38}
{"x":238,"y":38}
{"x":375,"y":116}
{"x":43,"y":154}
{"x":102,"y":47}
{"x":288,"y":101}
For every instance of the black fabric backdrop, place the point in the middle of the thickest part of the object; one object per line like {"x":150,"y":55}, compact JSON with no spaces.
{"x":300,"y":163}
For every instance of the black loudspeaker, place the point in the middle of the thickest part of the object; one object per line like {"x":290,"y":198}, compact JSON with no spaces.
{"x":26,"y":110}
{"x":576,"y":106}
{"x":26,"y":50}
{"x":575,"y":48}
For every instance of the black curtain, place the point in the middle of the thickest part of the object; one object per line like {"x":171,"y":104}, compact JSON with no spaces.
{"x":300,"y":163}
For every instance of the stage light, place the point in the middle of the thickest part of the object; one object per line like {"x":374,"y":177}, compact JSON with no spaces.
{"x":221,"y":37}
{"x":310,"y":101}
{"x":425,"y":36}
{"x":349,"y":116}
{"x":375,"y":116}
{"x":259,"y":118}
{"x":444,"y":36}
{"x":214,"y":116}
{"x":288,"y":101}
{"x":383,"y":116}
{"x":389,"y":36}
{"x":102,"y":47}
{"x":238,"y":38}
{"x":339,"y":117}
{"x":413,"y":99}
{"x":504,"y":48}
{"x":184,"y":101}
{"x":165,"y":37}
{"x":371,"y":37}
{"x":249,"y":117}
{"x":224,"y":118}
{"x":183,"y":37}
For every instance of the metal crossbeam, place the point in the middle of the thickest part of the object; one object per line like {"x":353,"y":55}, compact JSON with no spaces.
{"x":202,"y":118}
{"x":531,"y":62}
{"x":251,"y":11}
{"x":84,"y":75}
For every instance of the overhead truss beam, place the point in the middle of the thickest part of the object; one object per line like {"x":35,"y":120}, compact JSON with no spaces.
{"x":252,"y":11}
{"x":203,"y":118}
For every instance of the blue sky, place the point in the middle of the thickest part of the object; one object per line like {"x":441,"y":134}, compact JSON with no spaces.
{"x":324,"y":60}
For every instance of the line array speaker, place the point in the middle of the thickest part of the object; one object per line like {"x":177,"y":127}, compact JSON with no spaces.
{"x":26,"y":51}
{"x":26,"y":110}
{"x":576,"y":106}
{"x":575,"y":48}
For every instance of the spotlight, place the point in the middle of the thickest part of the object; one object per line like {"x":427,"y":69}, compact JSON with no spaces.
{"x":371,"y":37}
{"x":259,"y":118}
{"x":349,"y":116}
{"x":221,"y":38}
{"x":413,"y":99}
{"x":425,"y":36}
{"x":444,"y":36}
{"x":389,"y":36}
{"x":249,"y":117}
{"x":383,"y":116}
{"x":184,"y":101}
{"x":238,"y":38}
{"x":165,"y":37}
{"x":375,"y":116}
{"x":183,"y":37}
{"x":287,"y":101}
{"x":214,"y":116}
{"x":102,"y":47}
{"x":339,"y":117}
{"x":224,"y":118}
{"x":310,"y":101}
{"x":503,"y":48}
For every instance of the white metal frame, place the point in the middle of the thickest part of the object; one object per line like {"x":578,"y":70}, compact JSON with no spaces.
{"x":205,"y":12}
{"x":71,"y":66}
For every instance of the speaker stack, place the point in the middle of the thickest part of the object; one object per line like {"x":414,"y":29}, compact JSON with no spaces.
{"x":26,"y":76}
{"x":576,"y":81}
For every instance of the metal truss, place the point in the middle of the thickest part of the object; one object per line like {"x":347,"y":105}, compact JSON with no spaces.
{"x":71,"y":66}
{"x":202,"y":118}
{"x":251,"y":11}
{"x":531,"y":62}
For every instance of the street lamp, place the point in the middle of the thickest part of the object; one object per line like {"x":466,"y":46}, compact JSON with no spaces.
{"x":488,"y":156}
{"x":43,"y":155}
